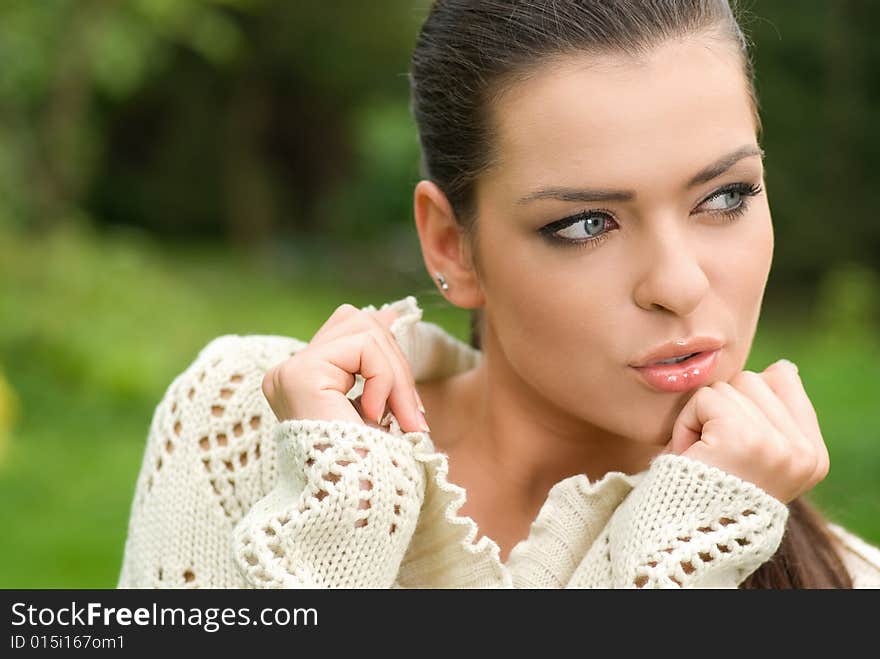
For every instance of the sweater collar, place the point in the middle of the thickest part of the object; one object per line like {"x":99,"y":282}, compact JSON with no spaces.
{"x":451,"y":538}
{"x":431,"y":351}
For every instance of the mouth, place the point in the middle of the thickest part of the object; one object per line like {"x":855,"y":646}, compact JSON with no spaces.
{"x":676,"y":360}
{"x":680,"y":373}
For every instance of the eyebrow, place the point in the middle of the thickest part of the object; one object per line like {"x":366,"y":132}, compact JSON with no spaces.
{"x":714,"y":170}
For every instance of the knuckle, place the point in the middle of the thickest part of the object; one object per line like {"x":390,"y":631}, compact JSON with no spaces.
{"x":286,"y":373}
{"x":806,"y":465}
{"x":823,"y":466}
{"x":371,"y":339}
{"x":341,"y":312}
{"x":796,"y":464}
{"x":377,"y":334}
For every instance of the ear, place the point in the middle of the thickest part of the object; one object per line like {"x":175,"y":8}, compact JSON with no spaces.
{"x":445,"y":248}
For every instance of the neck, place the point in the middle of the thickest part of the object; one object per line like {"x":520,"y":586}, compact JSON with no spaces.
{"x":526,"y":442}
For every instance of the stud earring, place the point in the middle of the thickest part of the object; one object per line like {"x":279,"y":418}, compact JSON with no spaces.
{"x":442,"y":281}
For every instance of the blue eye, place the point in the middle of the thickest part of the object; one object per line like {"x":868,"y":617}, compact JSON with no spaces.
{"x":737,"y":190}
{"x":722,"y":195}
{"x":589,"y":228}
{"x":584,"y":227}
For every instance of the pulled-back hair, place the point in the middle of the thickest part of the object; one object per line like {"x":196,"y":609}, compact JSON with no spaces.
{"x":469,"y":52}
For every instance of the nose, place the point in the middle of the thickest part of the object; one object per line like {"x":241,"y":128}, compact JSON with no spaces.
{"x":670,"y":276}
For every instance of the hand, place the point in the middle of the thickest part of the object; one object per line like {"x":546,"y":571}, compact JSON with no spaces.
{"x":312,"y":384}
{"x":760,"y":427}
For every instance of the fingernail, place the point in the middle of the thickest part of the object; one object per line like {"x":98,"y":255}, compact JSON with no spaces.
{"x":419,"y":399}
{"x":425,"y":425}
{"x":790,"y":363}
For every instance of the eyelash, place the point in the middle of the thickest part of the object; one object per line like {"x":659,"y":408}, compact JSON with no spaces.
{"x":549,"y":231}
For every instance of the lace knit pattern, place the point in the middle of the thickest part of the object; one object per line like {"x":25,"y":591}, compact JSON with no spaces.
{"x":688,"y":525}
{"x":342,"y":515}
{"x":209,"y":458}
{"x":229,"y":497}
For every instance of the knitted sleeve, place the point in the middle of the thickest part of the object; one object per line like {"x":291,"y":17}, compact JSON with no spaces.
{"x":208,"y":458}
{"x":341,"y":514}
{"x":228,"y":497}
{"x":685,"y":525}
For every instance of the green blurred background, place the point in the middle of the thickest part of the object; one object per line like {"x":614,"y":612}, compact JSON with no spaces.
{"x":173,"y":170}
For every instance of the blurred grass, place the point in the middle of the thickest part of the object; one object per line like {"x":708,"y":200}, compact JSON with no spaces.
{"x":95,"y":326}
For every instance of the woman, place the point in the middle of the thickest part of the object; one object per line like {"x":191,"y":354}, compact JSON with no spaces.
{"x":594,"y":191}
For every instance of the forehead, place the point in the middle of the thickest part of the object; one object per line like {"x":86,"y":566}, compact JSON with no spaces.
{"x":613,"y":119}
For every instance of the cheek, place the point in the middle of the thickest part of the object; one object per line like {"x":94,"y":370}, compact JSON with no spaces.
{"x":746,"y":267}
{"x":738,"y":281}
{"x":562,"y":337}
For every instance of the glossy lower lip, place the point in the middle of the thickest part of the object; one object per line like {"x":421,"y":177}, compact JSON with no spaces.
{"x":695,"y":372}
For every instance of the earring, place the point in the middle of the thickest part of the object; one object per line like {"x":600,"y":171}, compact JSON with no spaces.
{"x":442,"y":281}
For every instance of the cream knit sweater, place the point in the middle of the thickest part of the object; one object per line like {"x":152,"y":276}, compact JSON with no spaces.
{"x":229,"y":497}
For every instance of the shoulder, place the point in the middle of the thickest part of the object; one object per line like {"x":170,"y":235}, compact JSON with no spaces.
{"x":237,"y":358}
{"x":260,"y":350}
{"x":862,"y":560}
{"x":226,"y":373}
{"x":236,"y":362}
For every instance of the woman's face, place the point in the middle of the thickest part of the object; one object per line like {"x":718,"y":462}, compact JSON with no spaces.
{"x":666,"y":262}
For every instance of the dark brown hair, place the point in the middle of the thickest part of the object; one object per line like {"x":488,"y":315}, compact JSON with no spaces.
{"x":468,"y":52}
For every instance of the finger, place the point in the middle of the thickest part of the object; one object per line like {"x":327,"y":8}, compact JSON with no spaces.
{"x":706,"y":404}
{"x":403,"y":401}
{"x":401,"y":398}
{"x":784,"y":380}
{"x":328,"y":330}
{"x":746,"y":406}
{"x":359,"y":353}
{"x":758,"y":393}
{"x":382,"y":320}
{"x":786,"y":383}
{"x":350,"y":320}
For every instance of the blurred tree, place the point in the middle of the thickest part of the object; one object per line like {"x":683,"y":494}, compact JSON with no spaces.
{"x":817,"y":80}
{"x":252,"y":149}
{"x":59,"y":57}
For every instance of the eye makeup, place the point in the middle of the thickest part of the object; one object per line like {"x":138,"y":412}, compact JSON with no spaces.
{"x":551,"y":231}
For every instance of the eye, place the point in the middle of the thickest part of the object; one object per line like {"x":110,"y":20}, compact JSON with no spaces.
{"x":734,"y":194}
{"x":590,"y":228}
{"x":738,"y":193}
{"x":587,"y":227}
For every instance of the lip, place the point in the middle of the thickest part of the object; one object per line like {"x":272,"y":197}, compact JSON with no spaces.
{"x":670,"y":378}
{"x":679,"y":348}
